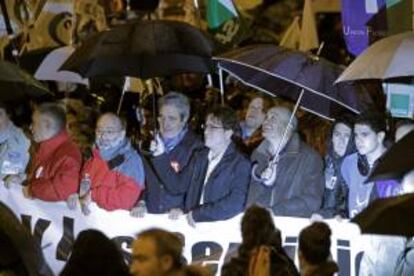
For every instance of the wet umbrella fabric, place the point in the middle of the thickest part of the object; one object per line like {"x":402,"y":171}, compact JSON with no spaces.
{"x":147,"y":49}
{"x":389,"y":216}
{"x":387,"y":59}
{"x":19,"y":250}
{"x":396,"y":162}
{"x":49,"y":68}
{"x":16,"y":84}
{"x":282,"y":72}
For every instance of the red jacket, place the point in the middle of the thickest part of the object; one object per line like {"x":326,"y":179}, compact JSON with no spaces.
{"x":110,"y":189}
{"x":55,"y":168}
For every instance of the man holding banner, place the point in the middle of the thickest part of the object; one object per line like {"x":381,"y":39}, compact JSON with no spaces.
{"x":54,"y":170}
{"x":113,"y":177}
{"x":216,"y":183}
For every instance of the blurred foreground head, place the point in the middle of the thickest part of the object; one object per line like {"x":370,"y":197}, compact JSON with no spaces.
{"x":156,"y":252}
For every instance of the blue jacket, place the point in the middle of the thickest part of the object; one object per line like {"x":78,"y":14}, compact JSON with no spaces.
{"x":225,"y":192}
{"x":160,"y":195}
{"x":14,"y":151}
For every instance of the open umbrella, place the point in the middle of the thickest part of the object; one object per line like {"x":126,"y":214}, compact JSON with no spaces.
{"x":389,"y":216}
{"x":303,"y":78}
{"x":146,"y":49}
{"x":396,"y":162}
{"x":19,"y":250}
{"x":387,"y":59}
{"x":49,"y":68}
{"x":294,"y":75}
{"x":16,"y":84}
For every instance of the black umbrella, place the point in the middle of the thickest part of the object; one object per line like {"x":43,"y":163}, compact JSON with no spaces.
{"x":19,"y":251}
{"x":146,"y":49}
{"x":396,"y":162}
{"x":389,"y":216}
{"x":16,"y":84}
{"x":287,"y":73}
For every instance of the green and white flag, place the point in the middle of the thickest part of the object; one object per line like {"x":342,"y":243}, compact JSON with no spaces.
{"x":226,"y":23}
{"x":219,"y":12}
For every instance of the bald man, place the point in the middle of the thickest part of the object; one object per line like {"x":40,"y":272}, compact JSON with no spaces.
{"x":114,"y":176}
{"x":297,"y":186}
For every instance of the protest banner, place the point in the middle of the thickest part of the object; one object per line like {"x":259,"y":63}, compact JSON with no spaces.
{"x":210,"y":243}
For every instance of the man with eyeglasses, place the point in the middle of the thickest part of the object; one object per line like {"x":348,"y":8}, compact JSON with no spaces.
{"x":215,"y":185}
{"x":113,"y":177}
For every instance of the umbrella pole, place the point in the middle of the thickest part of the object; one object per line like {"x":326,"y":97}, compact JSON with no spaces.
{"x":154,"y":105}
{"x":285,"y":132}
{"x":221,"y":86}
{"x":271,"y":167}
{"x":197,"y":13}
{"x":122,"y":96}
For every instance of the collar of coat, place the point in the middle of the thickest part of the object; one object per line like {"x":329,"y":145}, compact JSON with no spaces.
{"x":53,"y":143}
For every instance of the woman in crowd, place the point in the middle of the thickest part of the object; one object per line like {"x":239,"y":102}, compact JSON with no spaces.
{"x":340,"y":145}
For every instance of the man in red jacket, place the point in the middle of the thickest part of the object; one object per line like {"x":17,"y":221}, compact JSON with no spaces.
{"x":114,"y":175}
{"x":55,"y":166}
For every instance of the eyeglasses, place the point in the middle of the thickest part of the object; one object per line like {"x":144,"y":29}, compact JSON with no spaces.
{"x":100,"y":132}
{"x":208,"y":126}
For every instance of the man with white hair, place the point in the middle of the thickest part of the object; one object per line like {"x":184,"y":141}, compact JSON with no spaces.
{"x":294,"y":184}
{"x":54,"y":169}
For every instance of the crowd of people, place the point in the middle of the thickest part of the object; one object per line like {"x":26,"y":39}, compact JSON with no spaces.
{"x":259,"y":158}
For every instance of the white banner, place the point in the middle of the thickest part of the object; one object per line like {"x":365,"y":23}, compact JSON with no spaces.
{"x":208,"y":243}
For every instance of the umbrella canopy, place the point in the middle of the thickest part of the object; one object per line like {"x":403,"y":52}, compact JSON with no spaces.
{"x":388,"y":58}
{"x":147,"y":49}
{"x":18,"y":246}
{"x":396,"y":162}
{"x":30,"y":61}
{"x":16,"y":84}
{"x":283,"y":72}
{"x":49,"y":68}
{"x":389,"y":216}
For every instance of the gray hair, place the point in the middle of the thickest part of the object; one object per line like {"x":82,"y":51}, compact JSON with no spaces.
{"x":288,"y":113}
{"x":180,"y":101}
{"x":56,"y":112}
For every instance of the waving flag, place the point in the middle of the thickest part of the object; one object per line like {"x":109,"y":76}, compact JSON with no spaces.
{"x":226,"y":23}
{"x":219,"y":12}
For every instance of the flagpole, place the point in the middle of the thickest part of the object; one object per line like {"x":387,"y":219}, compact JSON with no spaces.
{"x":198,"y":13}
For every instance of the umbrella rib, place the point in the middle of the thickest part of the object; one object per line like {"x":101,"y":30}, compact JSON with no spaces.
{"x":285,"y":79}
{"x":271,"y":94}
